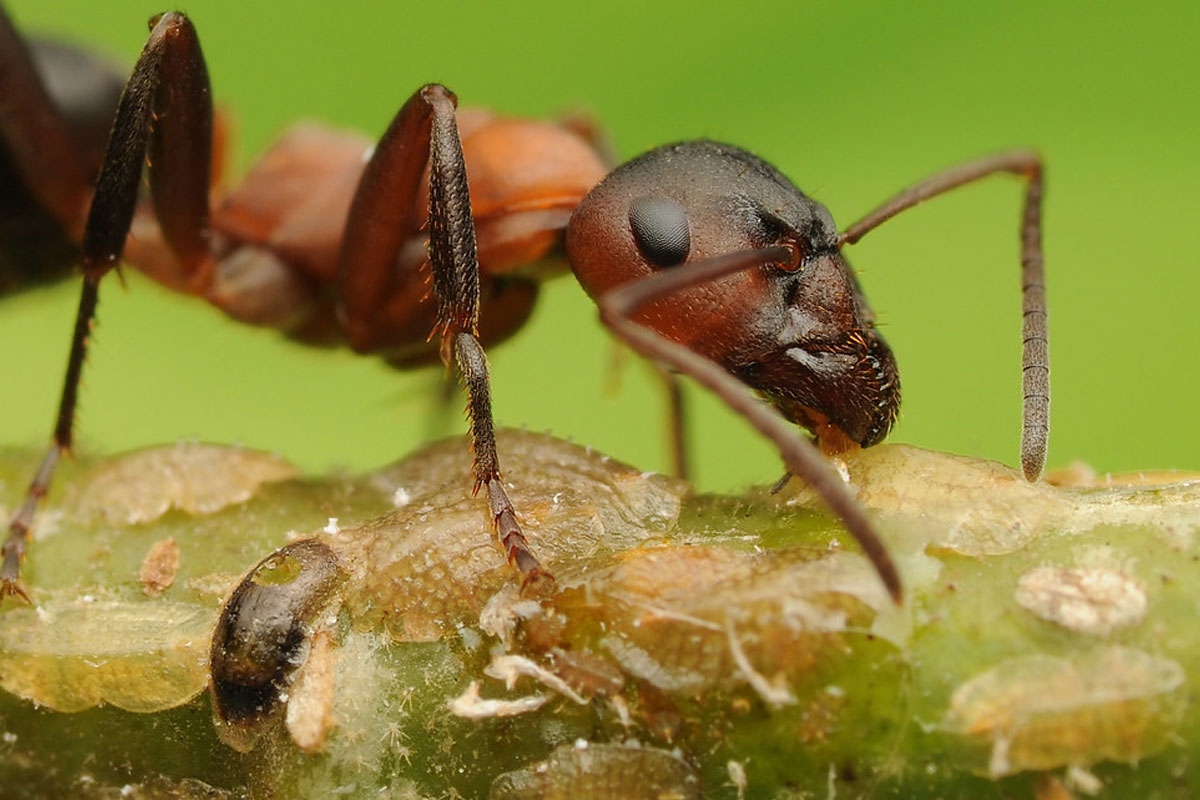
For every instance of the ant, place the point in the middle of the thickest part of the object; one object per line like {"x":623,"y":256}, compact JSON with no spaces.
{"x":699,"y":255}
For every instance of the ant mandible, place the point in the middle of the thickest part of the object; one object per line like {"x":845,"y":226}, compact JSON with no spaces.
{"x":699,"y":255}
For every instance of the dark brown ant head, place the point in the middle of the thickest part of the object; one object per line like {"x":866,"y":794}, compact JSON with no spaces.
{"x":796,"y":328}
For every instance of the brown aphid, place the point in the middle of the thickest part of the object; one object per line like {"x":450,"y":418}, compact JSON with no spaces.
{"x":597,"y":771}
{"x":587,"y":673}
{"x":159,"y":567}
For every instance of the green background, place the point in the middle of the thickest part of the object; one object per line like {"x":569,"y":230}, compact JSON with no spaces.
{"x":853,"y":100}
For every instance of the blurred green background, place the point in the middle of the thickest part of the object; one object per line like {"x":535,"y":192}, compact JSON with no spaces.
{"x":854,"y":100}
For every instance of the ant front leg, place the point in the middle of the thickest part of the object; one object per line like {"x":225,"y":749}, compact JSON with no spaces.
{"x":165,"y":113}
{"x":800,"y":455}
{"x":1035,"y":353}
{"x":382,"y":215}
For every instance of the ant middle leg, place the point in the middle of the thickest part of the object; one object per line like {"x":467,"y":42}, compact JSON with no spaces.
{"x":677,"y":421}
{"x":165,"y":113}
{"x":382,"y":216}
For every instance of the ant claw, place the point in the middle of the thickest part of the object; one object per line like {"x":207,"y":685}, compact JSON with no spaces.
{"x":537,"y":583}
{"x":12,"y":588}
{"x":10,"y":584}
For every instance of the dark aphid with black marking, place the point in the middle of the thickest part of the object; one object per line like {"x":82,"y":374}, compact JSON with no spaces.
{"x":261,"y":637}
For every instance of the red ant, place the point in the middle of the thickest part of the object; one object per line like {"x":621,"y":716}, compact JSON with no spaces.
{"x":699,"y":255}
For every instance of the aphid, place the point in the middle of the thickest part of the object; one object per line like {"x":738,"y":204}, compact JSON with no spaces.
{"x":700,"y":256}
{"x":263,"y":632}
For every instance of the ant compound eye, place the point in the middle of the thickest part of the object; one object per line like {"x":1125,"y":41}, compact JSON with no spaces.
{"x":661,"y":230}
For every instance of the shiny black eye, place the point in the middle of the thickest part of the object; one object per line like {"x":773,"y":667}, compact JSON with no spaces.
{"x":661,"y":230}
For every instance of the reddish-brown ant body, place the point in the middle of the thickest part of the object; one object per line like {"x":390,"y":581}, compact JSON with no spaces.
{"x":700,"y":256}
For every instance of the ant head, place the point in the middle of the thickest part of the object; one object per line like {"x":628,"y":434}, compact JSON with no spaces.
{"x":797,"y":330}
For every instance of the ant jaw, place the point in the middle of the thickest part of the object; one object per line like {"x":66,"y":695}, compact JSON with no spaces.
{"x":847,"y":395}
{"x":832,"y":440}
{"x":827,"y":368}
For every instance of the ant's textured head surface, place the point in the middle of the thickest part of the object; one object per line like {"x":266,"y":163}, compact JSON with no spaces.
{"x":799,"y":332}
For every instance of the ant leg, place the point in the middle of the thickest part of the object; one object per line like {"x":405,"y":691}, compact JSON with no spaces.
{"x":594,"y":134}
{"x":799,"y":454}
{"x":676,"y":420}
{"x":165,"y":107}
{"x":37,"y":134}
{"x":381,"y":216}
{"x":456,"y":280}
{"x":1035,"y":353}
{"x":440,"y":423}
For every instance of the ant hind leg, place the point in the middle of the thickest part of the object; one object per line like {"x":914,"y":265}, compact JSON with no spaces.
{"x":170,"y":71}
